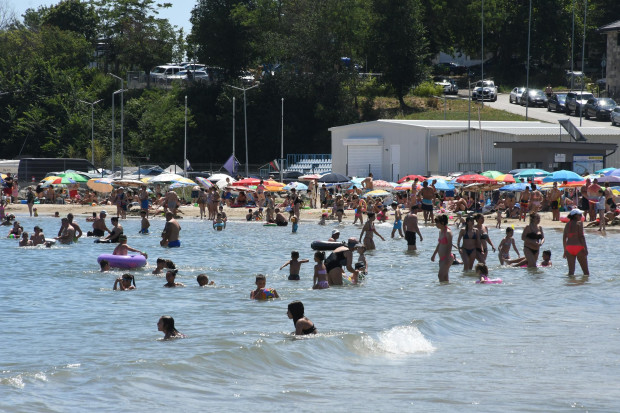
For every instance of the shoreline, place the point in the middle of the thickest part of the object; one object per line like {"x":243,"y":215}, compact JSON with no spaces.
{"x":238,"y":214}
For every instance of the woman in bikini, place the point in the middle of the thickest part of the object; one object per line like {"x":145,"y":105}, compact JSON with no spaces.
{"x":303,"y":326}
{"x":369,"y":229}
{"x":471,"y":242}
{"x":483,"y":249}
{"x":533,"y":238}
{"x":575,"y":243}
{"x":444,"y":248}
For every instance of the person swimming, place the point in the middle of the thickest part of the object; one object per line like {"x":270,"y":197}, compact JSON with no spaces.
{"x":126,"y":282}
{"x":166,"y":325}
{"x":303,"y":326}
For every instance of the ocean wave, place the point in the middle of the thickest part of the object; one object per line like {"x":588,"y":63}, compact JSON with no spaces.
{"x":399,"y":340}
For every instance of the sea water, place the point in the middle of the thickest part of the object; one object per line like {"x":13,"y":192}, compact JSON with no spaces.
{"x":541,"y":341}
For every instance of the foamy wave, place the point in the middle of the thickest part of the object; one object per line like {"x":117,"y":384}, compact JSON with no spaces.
{"x":399,"y":340}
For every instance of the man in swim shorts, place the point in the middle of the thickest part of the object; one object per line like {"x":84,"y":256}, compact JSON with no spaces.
{"x":428,"y":194}
{"x":410,"y":225}
{"x":99,"y":226}
{"x":554,"y":201}
{"x":524,"y":203}
{"x":367,"y":183}
{"x":170,"y":234}
{"x":171,"y":201}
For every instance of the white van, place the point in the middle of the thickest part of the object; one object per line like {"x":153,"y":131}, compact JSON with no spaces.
{"x":162,"y":72}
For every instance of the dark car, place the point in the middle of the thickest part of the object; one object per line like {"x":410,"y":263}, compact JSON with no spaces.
{"x":600,"y":108}
{"x":557,"y":102}
{"x":533,"y":97}
{"x":575,"y":100}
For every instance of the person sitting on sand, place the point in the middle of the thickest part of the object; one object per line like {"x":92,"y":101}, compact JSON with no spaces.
{"x":122,"y":248}
{"x":166,"y":325}
{"x":126,"y":282}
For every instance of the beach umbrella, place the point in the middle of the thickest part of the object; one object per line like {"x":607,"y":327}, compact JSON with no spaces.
{"x":247,"y":182}
{"x":574,"y":184}
{"x":442,"y":185}
{"x":297,"y":185}
{"x":274,"y":186}
{"x":184,"y":180}
{"x":100,"y":184}
{"x":310,"y":177}
{"x":438,"y":177}
{"x":165,"y":178}
{"x":56,"y":180}
{"x":376,"y":192}
{"x":474,"y":179}
{"x":407,"y":186}
{"x":516,"y":187}
{"x":175,"y":185}
{"x":381,"y":184}
{"x":127,"y":182}
{"x":334,"y":178}
{"x":507,"y":178}
{"x":218,"y":177}
{"x":357,"y":180}
{"x":412,"y":178}
{"x":604,"y":170}
{"x":492,"y":174}
{"x":563,"y":175}
{"x":531,"y":173}
{"x":75,"y":176}
{"x":204,"y":182}
{"x":608,"y":178}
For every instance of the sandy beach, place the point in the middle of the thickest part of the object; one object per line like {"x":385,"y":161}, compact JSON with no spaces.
{"x":238,"y":214}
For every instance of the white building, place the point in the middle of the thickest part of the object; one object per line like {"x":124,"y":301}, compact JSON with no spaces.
{"x":394,"y":148}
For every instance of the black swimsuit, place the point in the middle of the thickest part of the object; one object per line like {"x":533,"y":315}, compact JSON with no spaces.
{"x":309,"y":330}
{"x":335,"y":260}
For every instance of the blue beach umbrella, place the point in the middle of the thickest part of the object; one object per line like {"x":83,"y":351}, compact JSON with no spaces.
{"x":517,"y":187}
{"x":563,"y":175}
{"x":441,"y":185}
{"x":604,"y":171}
{"x":297,"y":185}
{"x":531,"y":173}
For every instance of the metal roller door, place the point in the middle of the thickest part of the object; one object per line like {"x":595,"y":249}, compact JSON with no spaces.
{"x":364,"y":159}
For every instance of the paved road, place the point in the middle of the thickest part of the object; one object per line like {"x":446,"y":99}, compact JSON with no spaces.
{"x":503,"y":103}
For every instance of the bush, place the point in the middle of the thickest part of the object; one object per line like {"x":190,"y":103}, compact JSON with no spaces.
{"x":428,"y":89}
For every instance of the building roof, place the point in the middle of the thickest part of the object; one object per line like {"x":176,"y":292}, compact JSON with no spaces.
{"x":610,"y":27}
{"x":441,"y":124}
{"x":556,"y":145}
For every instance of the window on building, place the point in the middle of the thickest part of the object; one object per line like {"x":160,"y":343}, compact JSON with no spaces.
{"x":529,"y":165}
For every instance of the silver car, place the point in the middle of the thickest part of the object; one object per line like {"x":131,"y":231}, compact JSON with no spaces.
{"x":515,"y":94}
{"x":615,"y":116}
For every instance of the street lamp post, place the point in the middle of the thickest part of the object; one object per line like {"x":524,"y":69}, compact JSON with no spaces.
{"x":233,"y":153}
{"x":245,"y":116}
{"x":114,"y":128}
{"x":122,"y":116}
{"x":527,"y":76}
{"x":583,"y":57}
{"x":92,"y":129}
{"x":185,"y":150}
{"x":282,"y":146}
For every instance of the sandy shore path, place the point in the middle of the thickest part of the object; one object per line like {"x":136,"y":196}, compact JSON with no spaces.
{"x":238,"y":214}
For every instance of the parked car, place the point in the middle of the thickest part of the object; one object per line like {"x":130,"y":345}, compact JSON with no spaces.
{"x":485,"y":90}
{"x":515,"y":94}
{"x":534,"y":97}
{"x":449,"y":86}
{"x":574,"y":101}
{"x":615,"y":116}
{"x":449,"y":69}
{"x":557,"y":102}
{"x":600,"y":108}
{"x":163,"y":72}
{"x":189,"y":74}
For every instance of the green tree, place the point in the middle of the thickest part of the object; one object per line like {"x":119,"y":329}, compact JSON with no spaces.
{"x":399,"y":41}
{"x":75,"y":16}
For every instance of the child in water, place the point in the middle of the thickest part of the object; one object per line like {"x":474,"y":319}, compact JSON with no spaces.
{"x":295,"y":224}
{"x":482,"y":271}
{"x":303,"y":326}
{"x":218,"y":222}
{"x":323,"y":218}
{"x":362,"y":258}
{"x":166,"y":325}
{"x":498,"y":219}
{"x":126,"y":282}
{"x":504,"y":246}
{"x":170,"y":277}
{"x":203,"y":280}
{"x":24,"y":241}
{"x":122,"y":248}
{"x":546,"y":259}
{"x":262,"y":293}
{"x":105,"y":265}
{"x":144,"y":223}
{"x":163,"y":263}
{"x":320,"y":272}
{"x":295,"y":266}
